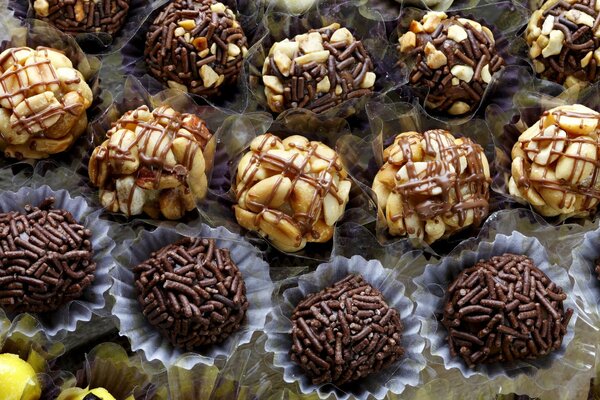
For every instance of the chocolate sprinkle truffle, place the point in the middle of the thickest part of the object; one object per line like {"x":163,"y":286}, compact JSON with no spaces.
{"x":196,"y":46}
{"x":192,"y":292}
{"x":432,"y":185}
{"x":504,"y":309}
{"x":317,"y":70}
{"x":453,"y":60}
{"x":345,"y":332}
{"x":563,"y":39}
{"x":83,"y":16}
{"x":45,"y":258}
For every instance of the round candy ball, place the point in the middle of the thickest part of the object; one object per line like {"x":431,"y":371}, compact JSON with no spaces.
{"x":18,"y":379}
{"x":432,"y":185}
{"x":453,"y":60}
{"x":192,"y":292}
{"x":197,"y":46}
{"x":504,"y":309}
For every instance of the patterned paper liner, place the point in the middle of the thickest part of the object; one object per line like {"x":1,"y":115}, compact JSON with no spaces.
{"x":405,"y":372}
{"x":431,"y":292}
{"x":143,"y":336}
{"x":65,"y":320}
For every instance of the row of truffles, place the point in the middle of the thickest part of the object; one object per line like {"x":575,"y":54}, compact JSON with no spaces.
{"x":564,"y":41}
{"x":83,"y":16}
{"x":197,"y":46}
{"x":317,"y":70}
{"x":45,"y":258}
{"x":504,"y":309}
{"x":555,"y":163}
{"x":153,"y":162}
{"x":432,"y":185}
{"x":292,"y":191}
{"x":43,"y":102}
{"x":453,"y":61}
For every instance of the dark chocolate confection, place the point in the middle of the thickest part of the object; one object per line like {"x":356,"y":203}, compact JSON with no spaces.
{"x":197,"y":46}
{"x":45,"y":259}
{"x":192,"y":292}
{"x":317,"y":70}
{"x":504,"y":309}
{"x":563,"y":39}
{"x":454,"y":61}
{"x":345,"y":332}
{"x":81,"y":16}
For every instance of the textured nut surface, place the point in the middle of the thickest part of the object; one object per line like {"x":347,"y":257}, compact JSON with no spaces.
{"x":292,"y":191}
{"x":43,"y":102}
{"x":555,"y":162}
{"x":152,"y":162}
{"x":432,"y":185}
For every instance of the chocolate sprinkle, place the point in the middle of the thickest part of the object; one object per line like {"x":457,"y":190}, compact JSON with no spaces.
{"x":345,"y":332}
{"x":454,"y":60}
{"x":192,"y":292}
{"x":520,"y":316}
{"x":196,"y":45}
{"x":83,"y":16}
{"x":45,"y":258}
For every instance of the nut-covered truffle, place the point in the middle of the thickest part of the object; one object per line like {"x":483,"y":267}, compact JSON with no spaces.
{"x":564,"y":41}
{"x":555,"y":163}
{"x":317,"y":70}
{"x":293,"y":191}
{"x":43,"y":102}
{"x":196,"y":46}
{"x":83,"y":16}
{"x":454,"y":61}
{"x":45,"y":259}
{"x":504,"y":309}
{"x":432,"y":185}
{"x":152,"y":162}
{"x":192,"y":292}
{"x":345,"y":332}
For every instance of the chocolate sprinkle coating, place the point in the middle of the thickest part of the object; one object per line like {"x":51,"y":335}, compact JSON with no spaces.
{"x":454,"y":60}
{"x":192,"y":292}
{"x":504,"y":309}
{"x":196,"y":46}
{"x":45,"y":258}
{"x":83,"y":16}
{"x":563,"y":39}
{"x":317,"y":70}
{"x":345,"y":332}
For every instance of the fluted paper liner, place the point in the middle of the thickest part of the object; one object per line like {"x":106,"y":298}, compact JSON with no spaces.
{"x":430,"y":297}
{"x":147,"y":339}
{"x":65,"y":319}
{"x":109,"y":366}
{"x":394,"y":379}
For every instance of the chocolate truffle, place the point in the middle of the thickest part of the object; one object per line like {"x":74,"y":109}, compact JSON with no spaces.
{"x":292,"y":191}
{"x":453,"y":60}
{"x":153,"y":163}
{"x":563,"y":39}
{"x":45,"y":259}
{"x":504,"y":309}
{"x":196,"y":46}
{"x":345,"y":332}
{"x":555,"y":163}
{"x":43,"y":102}
{"x":18,"y":380}
{"x":193,"y":292}
{"x":83,"y":16}
{"x":432,"y":185}
{"x":317,"y":70}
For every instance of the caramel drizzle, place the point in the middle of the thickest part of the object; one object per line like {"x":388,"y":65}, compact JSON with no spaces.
{"x":155,"y":163}
{"x":589,"y":191}
{"x":323,"y":186}
{"x":418,"y":195}
{"x":26,"y":90}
